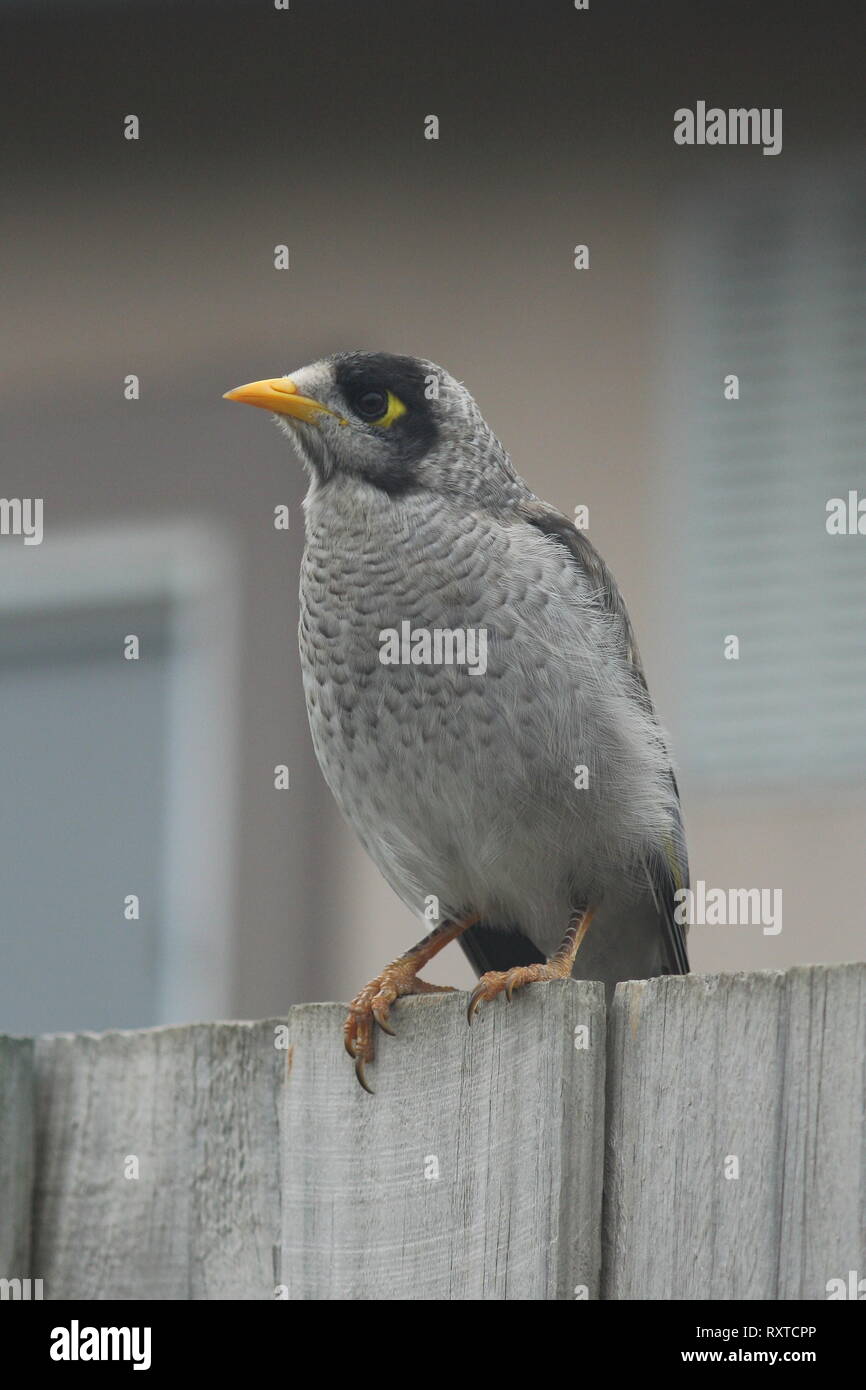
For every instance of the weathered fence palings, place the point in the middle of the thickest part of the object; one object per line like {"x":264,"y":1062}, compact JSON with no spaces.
{"x":242,"y":1161}
{"x":157,"y":1156}
{"x":230,"y":1160}
{"x":736,"y":1154}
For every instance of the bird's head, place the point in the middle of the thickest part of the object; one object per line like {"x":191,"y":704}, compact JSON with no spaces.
{"x":394,"y":423}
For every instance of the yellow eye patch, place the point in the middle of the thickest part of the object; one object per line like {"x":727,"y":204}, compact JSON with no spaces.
{"x":396,"y":408}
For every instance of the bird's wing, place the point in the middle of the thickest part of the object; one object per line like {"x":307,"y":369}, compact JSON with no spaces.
{"x":670,"y":870}
{"x":493,"y":949}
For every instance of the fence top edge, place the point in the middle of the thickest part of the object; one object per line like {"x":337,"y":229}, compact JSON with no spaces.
{"x":713,"y":982}
{"x":592,"y":990}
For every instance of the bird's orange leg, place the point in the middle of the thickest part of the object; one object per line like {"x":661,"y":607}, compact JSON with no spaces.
{"x":399,"y":978}
{"x":558,"y":967}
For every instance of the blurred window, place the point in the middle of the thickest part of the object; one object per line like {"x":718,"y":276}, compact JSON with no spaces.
{"x":118,"y":778}
{"x":770,"y":286}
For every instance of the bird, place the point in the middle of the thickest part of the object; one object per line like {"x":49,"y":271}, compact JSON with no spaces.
{"x":510,"y":778}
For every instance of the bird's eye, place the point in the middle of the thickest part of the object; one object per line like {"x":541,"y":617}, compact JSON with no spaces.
{"x":371,"y":404}
{"x":380,"y":408}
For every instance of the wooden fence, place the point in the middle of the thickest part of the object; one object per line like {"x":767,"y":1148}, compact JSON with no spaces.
{"x":706,"y":1140}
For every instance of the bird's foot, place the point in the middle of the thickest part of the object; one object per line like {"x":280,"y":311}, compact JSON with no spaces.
{"x":558,"y":967}
{"x":372,"y":1007}
{"x":497,"y":982}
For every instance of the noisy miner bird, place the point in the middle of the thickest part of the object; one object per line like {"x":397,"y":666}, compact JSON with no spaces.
{"x":475,"y":694}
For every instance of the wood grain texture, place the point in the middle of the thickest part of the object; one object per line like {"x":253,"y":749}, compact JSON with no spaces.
{"x":16,"y":1155}
{"x":198,"y":1108}
{"x":265,"y":1171}
{"x":475,"y":1170}
{"x":769,"y":1068}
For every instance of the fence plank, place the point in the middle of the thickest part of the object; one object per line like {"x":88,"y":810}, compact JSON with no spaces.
{"x":16,"y":1155}
{"x":768,"y":1069}
{"x":475,"y":1170}
{"x":197,"y":1107}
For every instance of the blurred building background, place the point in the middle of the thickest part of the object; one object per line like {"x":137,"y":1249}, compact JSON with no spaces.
{"x":154,"y":257}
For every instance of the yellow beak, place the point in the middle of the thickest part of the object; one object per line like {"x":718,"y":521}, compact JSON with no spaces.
{"x":280,"y":394}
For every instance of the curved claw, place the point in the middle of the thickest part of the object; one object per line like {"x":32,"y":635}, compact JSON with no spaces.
{"x":362,"y":1075}
{"x":381,"y":1017}
{"x":509,"y":990}
{"x":373,"y":1006}
{"x":473,"y":1005}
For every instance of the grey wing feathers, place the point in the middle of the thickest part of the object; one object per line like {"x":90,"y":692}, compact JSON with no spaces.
{"x":670,"y":872}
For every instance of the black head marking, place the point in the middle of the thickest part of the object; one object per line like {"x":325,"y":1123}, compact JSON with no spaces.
{"x":360,"y":377}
